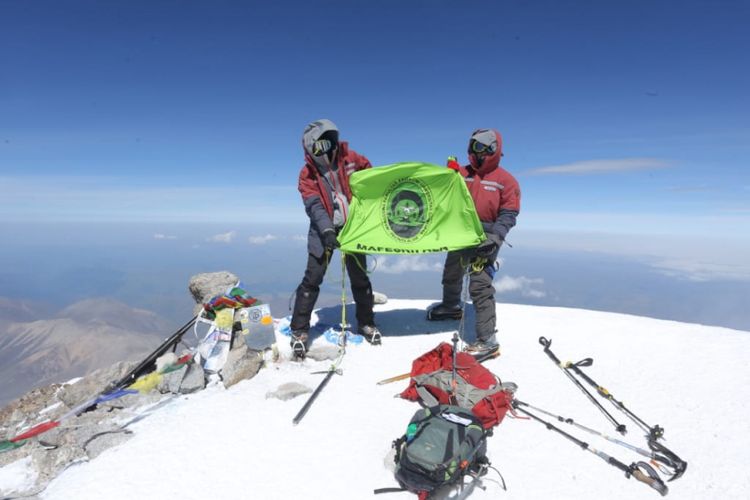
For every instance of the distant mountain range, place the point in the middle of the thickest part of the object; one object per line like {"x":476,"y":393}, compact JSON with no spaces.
{"x":36,"y":350}
{"x":20,"y":310}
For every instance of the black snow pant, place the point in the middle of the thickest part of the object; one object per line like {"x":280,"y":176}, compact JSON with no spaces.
{"x":308,"y":290}
{"x":481,"y":291}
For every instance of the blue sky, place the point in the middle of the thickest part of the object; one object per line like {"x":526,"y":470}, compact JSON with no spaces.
{"x":626,"y":123}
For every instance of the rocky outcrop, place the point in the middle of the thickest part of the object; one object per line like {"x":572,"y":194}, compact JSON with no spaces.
{"x":242,"y":364}
{"x":204,"y":286}
{"x":84,"y":437}
{"x":76,"y":438}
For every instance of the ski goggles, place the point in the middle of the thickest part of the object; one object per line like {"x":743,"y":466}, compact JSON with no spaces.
{"x":322,"y":146}
{"x":478,"y":147}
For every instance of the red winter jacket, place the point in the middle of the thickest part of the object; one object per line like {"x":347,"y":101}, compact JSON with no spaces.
{"x":495,"y":191}
{"x":317,"y":195}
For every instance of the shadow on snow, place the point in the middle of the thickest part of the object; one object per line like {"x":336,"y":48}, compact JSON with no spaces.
{"x":397,"y":322}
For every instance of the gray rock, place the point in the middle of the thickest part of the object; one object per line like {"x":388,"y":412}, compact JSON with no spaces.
{"x":238,"y":340}
{"x":104,"y":441}
{"x":77,"y":439}
{"x":171,"y":382}
{"x":194,"y":380}
{"x":78,"y":432}
{"x":379,"y":298}
{"x":323,"y":352}
{"x":242,"y":364}
{"x":27,"y":409}
{"x":288,"y":391}
{"x":50,"y":463}
{"x":90,"y":385}
{"x":8,"y":457}
{"x":206,"y":285}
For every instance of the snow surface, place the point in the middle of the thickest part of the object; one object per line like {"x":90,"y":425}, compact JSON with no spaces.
{"x":236,"y":443}
{"x":18,"y":475}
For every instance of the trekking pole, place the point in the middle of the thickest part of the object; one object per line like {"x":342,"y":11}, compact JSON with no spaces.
{"x":664,"y":462}
{"x":343,"y":325}
{"x":642,"y":471}
{"x":151,"y":359}
{"x":136,"y":372}
{"x":481,"y":358}
{"x":664,"y":455}
{"x":464,"y":300}
{"x":654,"y":432}
{"x":546,"y":343}
{"x":668,"y":458}
{"x":454,"y":384}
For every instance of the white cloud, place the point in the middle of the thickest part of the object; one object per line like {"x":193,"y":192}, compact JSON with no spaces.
{"x":160,"y":236}
{"x":398,"y":265}
{"x":696,"y":270}
{"x":680,"y":255}
{"x":643,"y":223}
{"x":222,"y":238}
{"x":261,"y":240}
{"x":603,"y":166}
{"x":529,"y":287}
{"x":299,"y":237}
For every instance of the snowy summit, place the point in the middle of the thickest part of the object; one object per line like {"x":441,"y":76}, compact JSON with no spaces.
{"x":240,"y":443}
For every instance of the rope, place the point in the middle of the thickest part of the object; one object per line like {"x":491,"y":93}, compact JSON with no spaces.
{"x":363,"y":269}
{"x":478,"y":265}
{"x":342,"y":342}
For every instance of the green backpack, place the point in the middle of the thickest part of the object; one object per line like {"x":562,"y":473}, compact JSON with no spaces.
{"x":441,"y":445}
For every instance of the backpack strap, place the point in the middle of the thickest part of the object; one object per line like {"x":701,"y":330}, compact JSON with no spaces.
{"x":427,"y":397}
{"x":422,"y":495}
{"x":389,"y":490}
{"x":397,"y":446}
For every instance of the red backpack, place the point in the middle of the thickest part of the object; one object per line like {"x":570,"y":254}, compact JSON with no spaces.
{"x":477,"y":389}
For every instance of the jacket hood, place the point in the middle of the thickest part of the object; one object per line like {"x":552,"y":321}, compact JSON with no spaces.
{"x":489,"y":162}
{"x":317,"y":130}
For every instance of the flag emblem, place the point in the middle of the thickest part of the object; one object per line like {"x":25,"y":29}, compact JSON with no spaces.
{"x":407,"y":208}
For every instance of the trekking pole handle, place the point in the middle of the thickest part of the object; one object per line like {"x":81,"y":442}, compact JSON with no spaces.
{"x":584,"y":362}
{"x":653,"y":482}
{"x":546,"y":343}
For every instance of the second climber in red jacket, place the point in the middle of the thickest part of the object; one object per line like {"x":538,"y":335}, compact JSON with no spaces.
{"x":497,"y":198}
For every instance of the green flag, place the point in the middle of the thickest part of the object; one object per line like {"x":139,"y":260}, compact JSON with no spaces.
{"x":410,"y":208}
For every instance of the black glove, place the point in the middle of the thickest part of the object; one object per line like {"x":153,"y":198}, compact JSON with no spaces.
{"x":329,"y":240}
{"x":488,"y":248}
